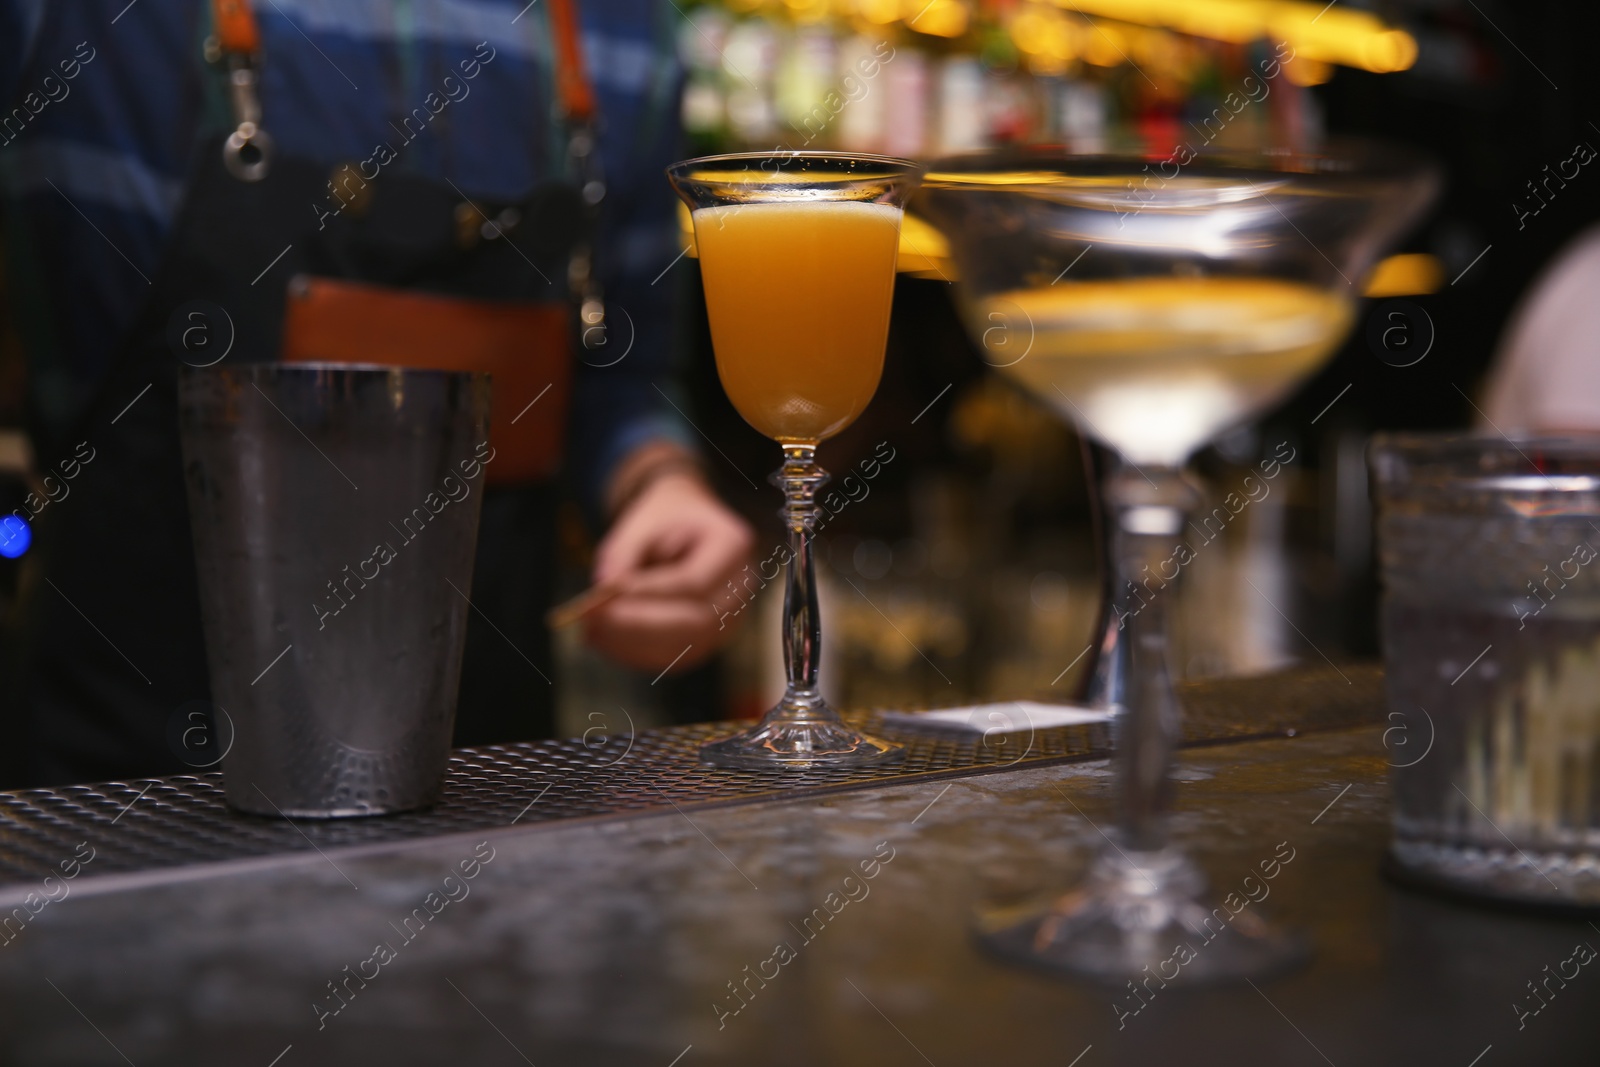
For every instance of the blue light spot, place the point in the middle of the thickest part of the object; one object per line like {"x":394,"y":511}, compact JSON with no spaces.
{"x":15,"y":536}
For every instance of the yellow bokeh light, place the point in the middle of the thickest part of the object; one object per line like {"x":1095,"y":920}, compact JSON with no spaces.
{"x":1029,"y":30}
{"x":879,"y":12}
{"x":1391,"y":51}
{"x":923,"y":250}
{"x":1105,"y":45}
{"x":1046,"y":36}
{"x":1060,"y":41}
{"x":1411,"y":274}
{"x":938,"y":18}
{"x":1326,"y":33}
{"x":807,"y":11}
{"x":1307,"y":71}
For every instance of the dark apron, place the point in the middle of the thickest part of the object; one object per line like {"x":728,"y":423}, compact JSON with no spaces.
{"x":117,"y":654}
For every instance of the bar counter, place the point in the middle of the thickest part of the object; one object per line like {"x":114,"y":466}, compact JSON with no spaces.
{"x":613,"y":902}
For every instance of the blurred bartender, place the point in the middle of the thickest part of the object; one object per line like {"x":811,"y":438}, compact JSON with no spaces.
{"x":1546,"y":374}
{"x":467,"y":184}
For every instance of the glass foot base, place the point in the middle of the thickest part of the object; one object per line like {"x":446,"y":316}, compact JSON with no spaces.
{"x":800,"y":743}
{"x":1138,"y":917}
{"x":1562,"y":879}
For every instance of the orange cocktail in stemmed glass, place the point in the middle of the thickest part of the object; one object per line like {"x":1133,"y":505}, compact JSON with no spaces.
{"x":797,"y":251}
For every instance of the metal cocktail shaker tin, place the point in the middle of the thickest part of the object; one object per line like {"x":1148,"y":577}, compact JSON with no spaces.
{"x":335,"y":512}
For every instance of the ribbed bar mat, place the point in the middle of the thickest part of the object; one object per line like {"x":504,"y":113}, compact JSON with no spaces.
{"x":148,"y":824}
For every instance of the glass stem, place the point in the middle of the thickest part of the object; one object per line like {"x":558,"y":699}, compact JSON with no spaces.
{"x":800,"y":478}
{"x":1147,"y":511}
{"x":1105,"y":674}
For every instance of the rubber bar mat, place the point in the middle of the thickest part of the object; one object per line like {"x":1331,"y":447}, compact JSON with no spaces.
{"x":148,"y":824}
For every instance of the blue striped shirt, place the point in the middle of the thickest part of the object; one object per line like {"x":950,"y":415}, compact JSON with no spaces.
{"x":107,"y":100}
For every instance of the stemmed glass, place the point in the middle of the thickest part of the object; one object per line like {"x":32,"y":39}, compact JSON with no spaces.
{"x":797,"y":252}
{"x":1158,"y":303}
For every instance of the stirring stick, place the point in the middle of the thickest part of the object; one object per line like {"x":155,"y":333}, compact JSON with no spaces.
{"x":586,"y":602}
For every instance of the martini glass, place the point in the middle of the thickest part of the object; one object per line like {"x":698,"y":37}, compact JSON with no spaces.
{"x":1157,"y":304}
{"x":797,"y":252}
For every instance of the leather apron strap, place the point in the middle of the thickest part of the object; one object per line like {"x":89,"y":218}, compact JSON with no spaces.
{"x":525,"y":346}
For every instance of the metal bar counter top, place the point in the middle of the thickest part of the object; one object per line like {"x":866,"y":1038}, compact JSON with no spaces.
{"x":618,"y":903}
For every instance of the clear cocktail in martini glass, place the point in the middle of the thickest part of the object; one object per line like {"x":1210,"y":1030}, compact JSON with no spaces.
{"x":1157,"y":304}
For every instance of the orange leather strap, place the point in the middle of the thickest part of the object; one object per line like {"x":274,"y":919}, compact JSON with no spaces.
{"x":236,"y":28}
{"x":572,"y":79}
{"x":524,"y":347}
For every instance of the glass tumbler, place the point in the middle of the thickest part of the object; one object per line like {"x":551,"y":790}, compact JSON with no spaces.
{"x":1491,"y":640}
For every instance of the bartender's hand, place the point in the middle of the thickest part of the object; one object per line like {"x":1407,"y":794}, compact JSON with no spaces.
{"x":673,"y":548}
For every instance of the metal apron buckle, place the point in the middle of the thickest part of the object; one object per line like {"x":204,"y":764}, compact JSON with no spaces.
{"x":247,"y":153}
{"x":235,"y":41}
